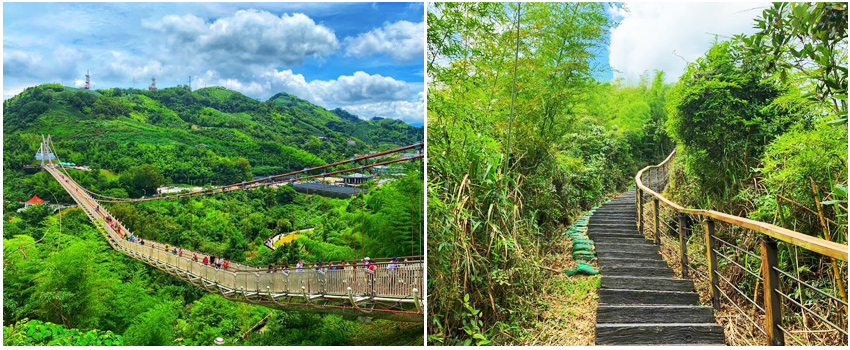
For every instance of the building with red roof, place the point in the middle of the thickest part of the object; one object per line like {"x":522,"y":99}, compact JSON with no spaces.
{"x":33,"y":201}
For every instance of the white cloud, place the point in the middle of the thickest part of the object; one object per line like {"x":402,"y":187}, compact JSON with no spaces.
{"x":11,"y":92}
{"x":411,"y":112}
{"x":360,"y":87}
{"x":363,"y":94}
{"x":649,"y":33}
{"x":16,"y":61}
{"x":402,"y":41}
{"x":248,"y":36}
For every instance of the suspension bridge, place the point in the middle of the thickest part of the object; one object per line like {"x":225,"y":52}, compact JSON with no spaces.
{"x":677,"y":275}
{"x":392,"y":291}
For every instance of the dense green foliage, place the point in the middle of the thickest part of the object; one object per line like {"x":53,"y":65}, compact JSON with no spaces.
{"x":723,"y":116}
{"x":760,"y":123}
{"x":808,"y":38}
{"x":748,"y":132}
{"x":506,"y":173}
{"x":34,"y":332}
{"x":135,"y":141}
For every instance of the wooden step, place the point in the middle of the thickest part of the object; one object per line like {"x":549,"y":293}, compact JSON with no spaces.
{"x":611,"y":247}
{"x":599,"y":240}
{"x":612,"y":222}
{"x":602,"y":235}
{"x":612,"y":226}
{"x":659,"y":333}
{"x":594,"y":230}
{"x":636,"y":271}
{"x":647,"y":283}
{"x":654,"y":314}
{"x":615,"y":212}
{"x":639,"y":263}
{"x":646,"y":297}
{"x":626,"y":254}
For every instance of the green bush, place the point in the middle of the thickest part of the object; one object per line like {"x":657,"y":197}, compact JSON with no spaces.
{"x":34,"y":332}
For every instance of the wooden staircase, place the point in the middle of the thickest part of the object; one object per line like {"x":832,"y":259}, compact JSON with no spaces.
{"x":640,"y":303}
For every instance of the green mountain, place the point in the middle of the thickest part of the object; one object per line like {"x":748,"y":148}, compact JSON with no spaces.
{"x":193,"y":137}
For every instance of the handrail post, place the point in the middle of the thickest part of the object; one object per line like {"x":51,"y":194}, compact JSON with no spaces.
{"x":712,"y":263}
{"x":640,"y":211}
{"x":657,"y":229}
{"x":683,"y":241}
{"x":772,"y":303}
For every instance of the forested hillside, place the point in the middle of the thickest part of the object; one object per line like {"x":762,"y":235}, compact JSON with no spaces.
{"x":135,"y":141}
{"x":192,"y":137}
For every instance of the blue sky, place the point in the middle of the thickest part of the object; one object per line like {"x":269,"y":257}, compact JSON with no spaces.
{"x":364,"y":57}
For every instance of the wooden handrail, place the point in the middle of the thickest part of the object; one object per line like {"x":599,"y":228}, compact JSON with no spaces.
{"x":815,"y":244}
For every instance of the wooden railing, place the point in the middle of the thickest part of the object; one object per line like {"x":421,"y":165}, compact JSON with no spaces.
{"x":696,"y":256}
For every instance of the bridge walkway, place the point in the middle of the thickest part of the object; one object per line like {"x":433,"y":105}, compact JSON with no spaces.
{"x":390,"y":293}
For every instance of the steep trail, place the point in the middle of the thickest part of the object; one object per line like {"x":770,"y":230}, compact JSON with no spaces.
{"x":639,"y":300}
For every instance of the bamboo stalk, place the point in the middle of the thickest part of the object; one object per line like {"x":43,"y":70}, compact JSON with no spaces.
{"x":789,"y":200}
{"x":826,"y":235}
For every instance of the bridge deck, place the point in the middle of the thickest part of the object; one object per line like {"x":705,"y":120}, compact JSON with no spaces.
{"x":348,"y":291}
{"x":639,"y":300}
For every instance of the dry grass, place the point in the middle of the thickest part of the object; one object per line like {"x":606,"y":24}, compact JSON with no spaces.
{"x":568,"y":312}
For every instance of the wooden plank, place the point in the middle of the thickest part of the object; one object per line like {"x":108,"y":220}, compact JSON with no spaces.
{"x":659,"y":333}
{"x":712,"y":264}
{"x":772,"y":303}
{"x":647,"y":283}
{"x":818,"y":245}
{"x":635,"y":263}
{"x":646,"y":297}
{"x":654,"y":314}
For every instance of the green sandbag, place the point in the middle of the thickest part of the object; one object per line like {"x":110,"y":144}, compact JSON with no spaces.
{"x":582,"y":253}
{"x":582,"y":268}
{"x":582,"y":241}
{"x":582,"y":247}
{"x":586,"y":269}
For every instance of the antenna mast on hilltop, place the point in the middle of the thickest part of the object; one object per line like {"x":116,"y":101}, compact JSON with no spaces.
{"x":153,"y":84}
{"x":88,"y":80}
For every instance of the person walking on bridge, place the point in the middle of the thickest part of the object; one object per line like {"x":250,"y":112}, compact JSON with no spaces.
{"x":299,"y":266}
{"x":225,"y":264}
{"x":392,"y":268}
{"x":370,"y":275}
{"x":206,"y":260}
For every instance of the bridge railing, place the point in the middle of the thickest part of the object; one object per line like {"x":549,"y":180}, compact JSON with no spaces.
{"x":781,"y":301}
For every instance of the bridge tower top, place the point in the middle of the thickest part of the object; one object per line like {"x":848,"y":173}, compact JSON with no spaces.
{"x":45,"y":154}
